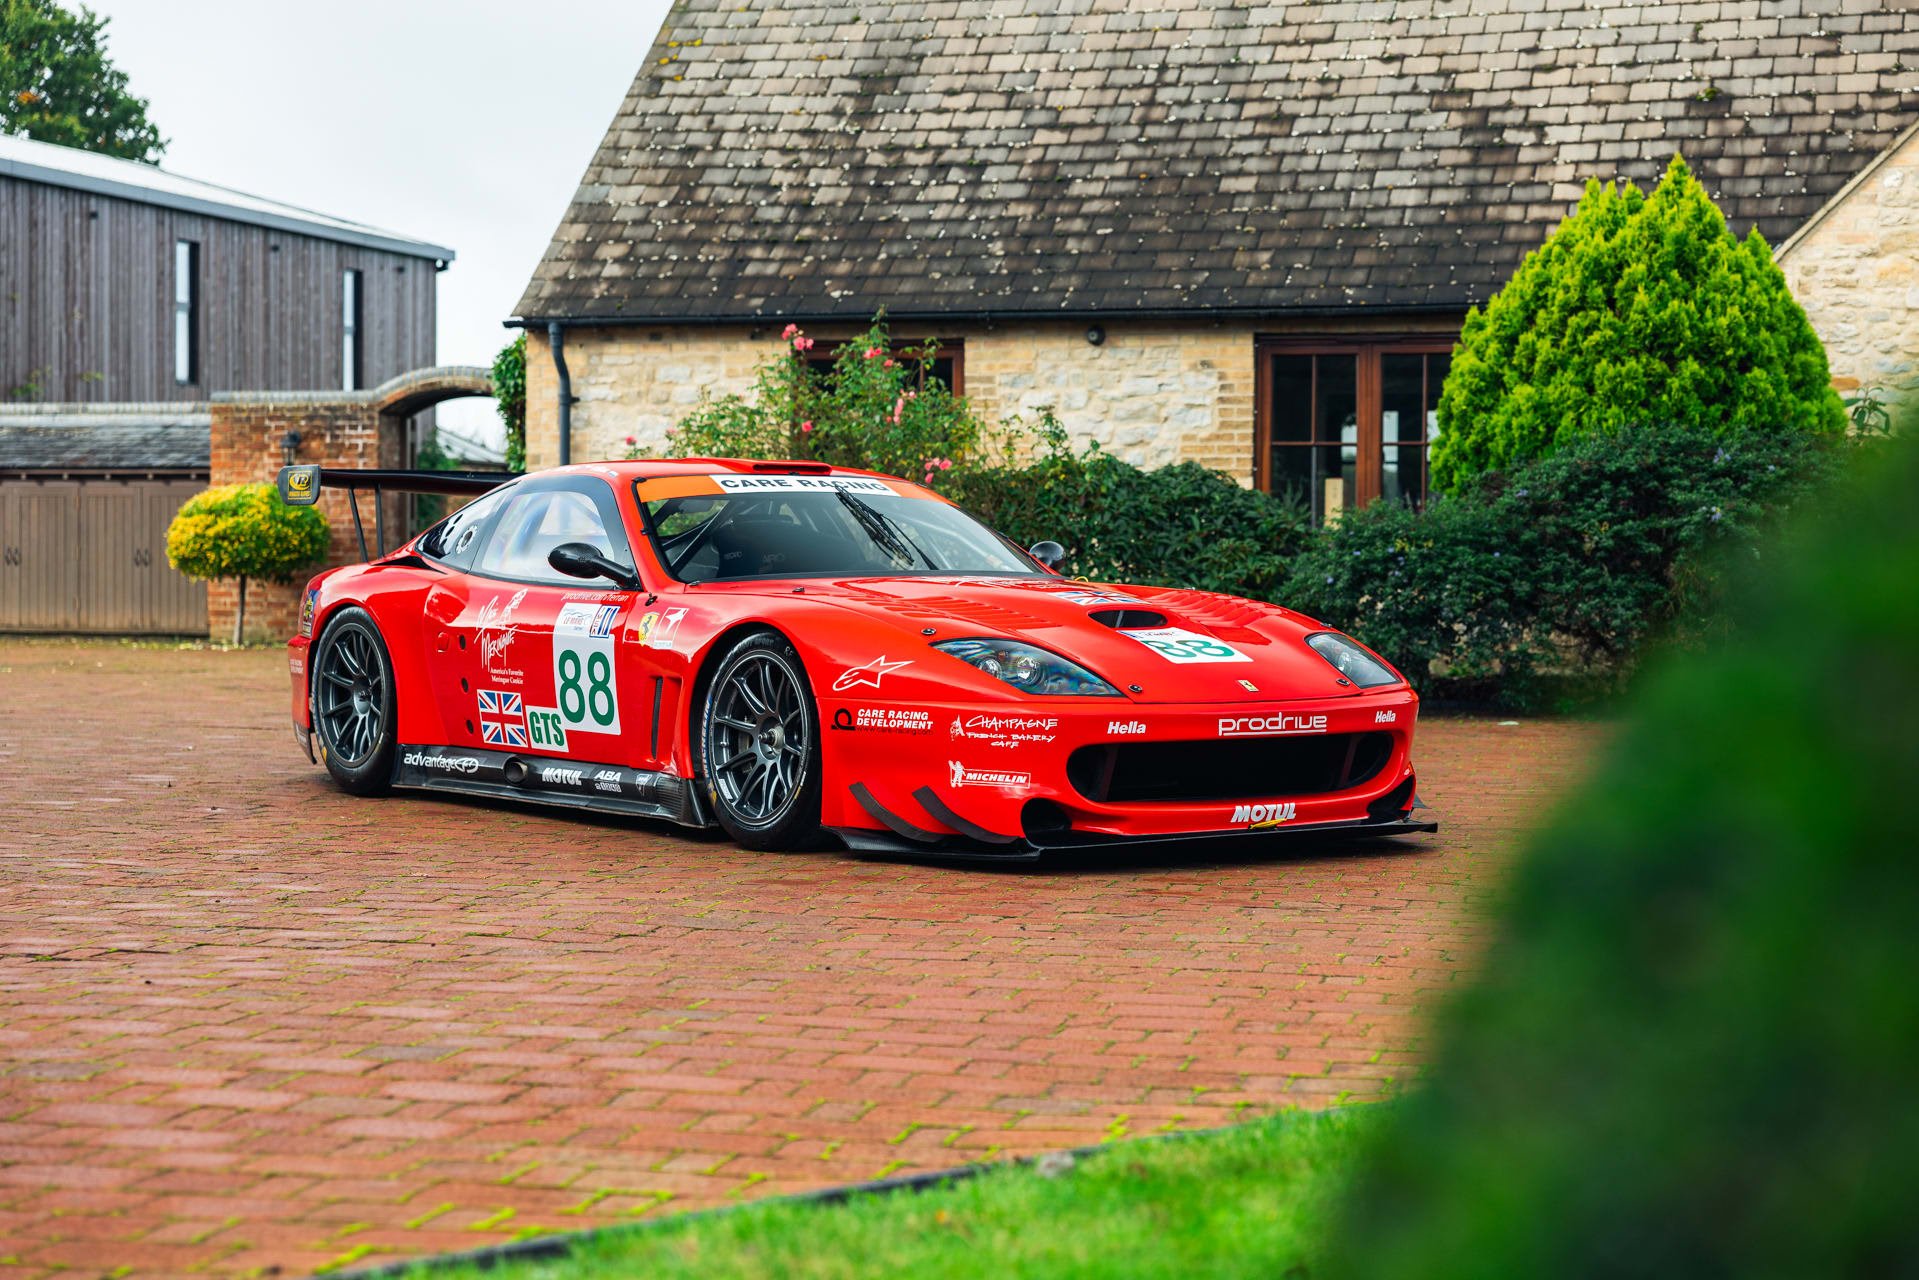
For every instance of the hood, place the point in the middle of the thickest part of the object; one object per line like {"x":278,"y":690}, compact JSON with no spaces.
{"x":1176,"y":645}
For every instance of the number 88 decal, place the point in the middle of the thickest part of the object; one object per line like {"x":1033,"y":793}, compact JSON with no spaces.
{"x":584,"y":684}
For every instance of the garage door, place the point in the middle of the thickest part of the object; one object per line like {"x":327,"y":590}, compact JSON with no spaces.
{"x":91,"y":556}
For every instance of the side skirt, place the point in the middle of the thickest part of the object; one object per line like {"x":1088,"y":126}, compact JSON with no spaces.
{"x":566,"y":784}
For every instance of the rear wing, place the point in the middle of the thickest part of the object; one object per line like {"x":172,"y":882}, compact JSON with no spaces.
{"x":300,"y":487}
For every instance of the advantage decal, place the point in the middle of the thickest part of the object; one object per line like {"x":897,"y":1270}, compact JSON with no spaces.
{"x":1005,"y":778}
{"x":884,"y":719}
{"x":801,"y":484}
{"x":502,"y":718}
{"x":1278,"y":725}
{"x":1005,"y":731}
{"x":450,"y":764}
{"x":1256,"y":816}
{"x":1175,"y":644}
{"x":546,"y":729}
{"x":868,"y":676}
{"x":586,"y":619}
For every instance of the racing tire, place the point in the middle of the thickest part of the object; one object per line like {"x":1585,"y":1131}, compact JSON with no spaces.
{"x":355,"y":716}
{"x":759,"y":745}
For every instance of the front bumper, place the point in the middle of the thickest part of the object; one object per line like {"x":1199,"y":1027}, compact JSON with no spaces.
{"x":1015,"y":780}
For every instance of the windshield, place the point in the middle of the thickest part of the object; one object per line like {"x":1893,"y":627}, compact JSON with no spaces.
{"x":847,"y":528}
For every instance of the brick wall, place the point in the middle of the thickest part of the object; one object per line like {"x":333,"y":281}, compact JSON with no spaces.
{"x":1855,"y":269}
{"x":336,"y":430}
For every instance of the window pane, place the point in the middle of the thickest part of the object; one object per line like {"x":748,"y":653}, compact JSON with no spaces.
{"x":183,"y":272}
{"x":1292,"y":399}
{"x":182,"y":345}
{"x":1337,"y":414}
{"x":1437,"y":367}
{"x":534,"y":524}
{"x":1402,"y":396}
{"x":1403,"y":473}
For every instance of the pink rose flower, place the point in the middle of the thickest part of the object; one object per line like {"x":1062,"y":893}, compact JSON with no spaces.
{"x":872,"y":353}
{"x":630,"y":439}
{"x":789,"y":331}
{"x":946,"y":464}
{"x":806,"y":426}
{"x":888,"y":365}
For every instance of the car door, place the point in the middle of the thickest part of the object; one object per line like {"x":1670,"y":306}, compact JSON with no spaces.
{"x":540,"y":647}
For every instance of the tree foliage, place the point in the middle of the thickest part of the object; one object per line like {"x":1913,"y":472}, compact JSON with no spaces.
{"x":244,"y":531}
{"x":509,"y":398}
{"x":1638,"y":310}
{"x":58,"y":85}
{"x":1691,"y":1048}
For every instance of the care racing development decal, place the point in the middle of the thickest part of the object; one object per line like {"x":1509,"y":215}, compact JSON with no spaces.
{"x":799,"y":484}
{"x":1006,"y":779}
{"x":585,"y":684}
{"x":884,"y":719}
{"x":1256,"y":816}
{"x":869,"y":675}
{"x":502,"y":718}
{"x":1278,"y":725}
{"x":1005,"y":731}
{"x":1176,"y":644}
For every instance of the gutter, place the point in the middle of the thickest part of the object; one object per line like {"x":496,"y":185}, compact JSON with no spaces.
{"x":556,"y":343}
{"x":994,"y":316}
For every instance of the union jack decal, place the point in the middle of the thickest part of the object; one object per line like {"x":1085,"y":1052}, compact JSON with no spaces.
{"x":494,"y":702}
{"x":502,"y":718}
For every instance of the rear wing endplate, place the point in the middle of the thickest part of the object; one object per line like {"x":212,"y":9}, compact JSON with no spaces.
{"x":300,"y":487}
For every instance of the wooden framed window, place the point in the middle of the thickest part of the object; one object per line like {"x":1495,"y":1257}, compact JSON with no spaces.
{"x":351,"y":378}
{"x":186,"y":312}
{"x":947,"y":367}
{"x":1342,"y":422}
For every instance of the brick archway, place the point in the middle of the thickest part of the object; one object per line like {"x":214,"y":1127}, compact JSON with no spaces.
{"x":253,"y":431}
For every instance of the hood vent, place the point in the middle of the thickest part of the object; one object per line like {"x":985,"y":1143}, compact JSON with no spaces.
{"x":1129,"y":619}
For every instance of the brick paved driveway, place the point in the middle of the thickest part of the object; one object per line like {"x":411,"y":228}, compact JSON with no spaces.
{"x":251,"y":1026}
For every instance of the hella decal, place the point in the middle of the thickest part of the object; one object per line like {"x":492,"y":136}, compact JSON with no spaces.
{"x":1256,"y":816}
{"x":1126,"y":726}
{"x":1273,"y":726}
{"x":1386,"y":717}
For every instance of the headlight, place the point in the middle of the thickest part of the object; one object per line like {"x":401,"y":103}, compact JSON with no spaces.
{"x":1351,"y":661}
{"x":1028,"y":668}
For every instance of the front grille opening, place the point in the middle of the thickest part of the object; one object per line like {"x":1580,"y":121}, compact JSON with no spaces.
{"x":1232,"y":769}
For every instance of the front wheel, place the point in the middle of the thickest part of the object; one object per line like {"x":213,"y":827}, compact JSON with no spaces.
{"x":354,"y":713}
{"x":759,"y":745}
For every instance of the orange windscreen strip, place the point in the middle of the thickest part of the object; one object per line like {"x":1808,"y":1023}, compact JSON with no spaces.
{"x":663,"y":487}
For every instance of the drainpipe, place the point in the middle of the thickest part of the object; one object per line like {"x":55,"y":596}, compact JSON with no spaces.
{"x":556,"y":340}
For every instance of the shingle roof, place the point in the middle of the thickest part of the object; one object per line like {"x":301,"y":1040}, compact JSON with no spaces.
{"x":1101,"y":156}
{"x":119,"y":437}
{"x":58,"y":166}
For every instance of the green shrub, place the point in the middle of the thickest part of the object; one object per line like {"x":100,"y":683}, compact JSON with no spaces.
{"x":1576,"y":560}
{"x":244,"y":531}
{"x":1692,"y":1046}
{"x":509,"y":399}
{"x":874,"y":407}
{"x":1638,"y":309}
{"x":1181,"y":525}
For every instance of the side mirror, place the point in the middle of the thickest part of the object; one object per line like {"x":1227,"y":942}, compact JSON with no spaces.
{"x":1049,"y":554}
{"x":582,"y":560}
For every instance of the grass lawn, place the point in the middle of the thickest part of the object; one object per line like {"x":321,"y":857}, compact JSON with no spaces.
{"x":1247,"y":1201}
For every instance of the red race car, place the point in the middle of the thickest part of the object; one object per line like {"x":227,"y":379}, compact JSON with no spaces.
{"x":790,"y":648}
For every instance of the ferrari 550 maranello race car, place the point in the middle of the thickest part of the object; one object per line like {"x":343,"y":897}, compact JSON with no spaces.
{"x":789,"y":648}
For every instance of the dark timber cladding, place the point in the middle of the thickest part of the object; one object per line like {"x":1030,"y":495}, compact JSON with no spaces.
{"x":87,"y":301}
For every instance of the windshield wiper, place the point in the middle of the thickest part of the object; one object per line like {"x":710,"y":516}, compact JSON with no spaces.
{"x":880,"y":529}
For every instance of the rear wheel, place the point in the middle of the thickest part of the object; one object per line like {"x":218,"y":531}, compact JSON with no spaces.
{"x":759,"y":745}
{"x":354,"y":715}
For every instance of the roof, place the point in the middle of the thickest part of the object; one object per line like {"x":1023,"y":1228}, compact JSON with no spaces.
{"x":102,"y":437}
{"x":1075,"y":157}
{"x":32,"y":161}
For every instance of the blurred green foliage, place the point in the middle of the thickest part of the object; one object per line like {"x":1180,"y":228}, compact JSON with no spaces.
{"x":1574,"y":562}
{"x":1637,"y":309}
{"x":244,"y":531}
{"x":1693,"y":1048}
{"x":1181,"y":525}
{"x":58,"y":85}
{"x":509,"y":398}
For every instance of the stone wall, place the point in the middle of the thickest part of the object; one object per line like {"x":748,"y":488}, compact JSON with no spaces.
{"x":1855,"y":269}
{"x":1152,"y":394}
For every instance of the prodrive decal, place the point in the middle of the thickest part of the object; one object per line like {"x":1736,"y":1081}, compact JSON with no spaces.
{"x":1278,"y":725}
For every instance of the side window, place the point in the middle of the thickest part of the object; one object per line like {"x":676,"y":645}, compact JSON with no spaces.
{"x":538,"y":518}
{"x":454,"y":539}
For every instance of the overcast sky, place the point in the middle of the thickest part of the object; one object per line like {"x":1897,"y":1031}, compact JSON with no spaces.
{"x":463,"y":124}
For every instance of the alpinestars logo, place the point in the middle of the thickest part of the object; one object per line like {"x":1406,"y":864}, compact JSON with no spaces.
{"x":868,"y":676}
{"x":1263,"y":815}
